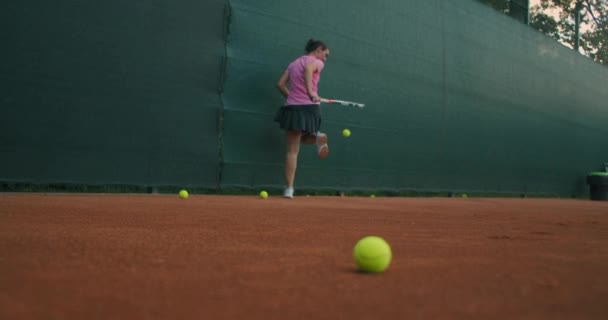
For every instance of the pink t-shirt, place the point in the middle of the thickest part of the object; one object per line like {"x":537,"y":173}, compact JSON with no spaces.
{"x":297,"y":88}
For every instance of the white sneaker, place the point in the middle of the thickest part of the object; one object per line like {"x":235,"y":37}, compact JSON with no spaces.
{"x":322,"y":147}
{"x":288,"y":193}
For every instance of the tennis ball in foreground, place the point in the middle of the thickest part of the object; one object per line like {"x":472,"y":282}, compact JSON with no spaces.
{"x":346,"y":133}
{"x":372,"y":254}
{"x":263,"y":194}
{"x":183,"y":194}
{"x":372,"y":196}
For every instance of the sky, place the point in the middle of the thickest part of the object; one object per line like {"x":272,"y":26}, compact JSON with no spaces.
{"x":537,"y":2}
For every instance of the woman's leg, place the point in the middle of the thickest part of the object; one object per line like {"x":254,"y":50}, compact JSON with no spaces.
{"x":291,"y":161}
{"x":309,"y":138}
{"x":321,"y":140}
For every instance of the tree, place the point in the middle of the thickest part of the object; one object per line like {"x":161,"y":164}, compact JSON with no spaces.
{"x":588,"y":35}
{"x":578,"y":24}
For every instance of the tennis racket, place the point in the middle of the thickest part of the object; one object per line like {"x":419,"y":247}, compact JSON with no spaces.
{"x":344,"y":103}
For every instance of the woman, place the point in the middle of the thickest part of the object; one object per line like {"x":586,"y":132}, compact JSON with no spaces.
{"x":301,"y":115}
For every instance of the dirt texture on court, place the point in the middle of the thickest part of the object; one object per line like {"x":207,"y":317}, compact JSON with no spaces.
{"x":228,"y":257}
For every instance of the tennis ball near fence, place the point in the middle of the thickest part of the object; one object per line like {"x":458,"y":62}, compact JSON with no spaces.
{"x":346,"y":133}
{"x":264,"y":195}
{"x":372,"y":196}
{"x":372,"y":254}
{"x":183,"y":194}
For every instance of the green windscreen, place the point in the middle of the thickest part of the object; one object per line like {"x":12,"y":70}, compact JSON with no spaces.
{"x":182,"y":93}
{"x":111,"y":92}
{"x":458,"y":97}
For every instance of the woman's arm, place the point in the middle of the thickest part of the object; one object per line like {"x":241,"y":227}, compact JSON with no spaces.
{"x":308,"y":71}
{"x":282,"y":84}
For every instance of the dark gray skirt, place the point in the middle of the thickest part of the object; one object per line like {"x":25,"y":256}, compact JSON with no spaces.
{"x":305,"y":118}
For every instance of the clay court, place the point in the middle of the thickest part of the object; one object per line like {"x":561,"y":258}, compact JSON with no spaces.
{"x":238,"y":257}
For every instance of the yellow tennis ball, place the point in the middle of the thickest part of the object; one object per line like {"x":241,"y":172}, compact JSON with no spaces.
{"x":183,"y":194}
{"x":346,"y":133}
{"x":263,"y":194}
{"x":372,"y":254}
{"x":373,"y":196}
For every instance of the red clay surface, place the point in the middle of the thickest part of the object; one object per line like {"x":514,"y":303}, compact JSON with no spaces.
{"x":225,"y":257}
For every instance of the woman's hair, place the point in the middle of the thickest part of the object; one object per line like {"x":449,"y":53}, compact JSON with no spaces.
{"x":312,"y":45}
